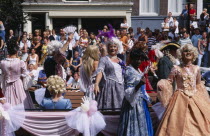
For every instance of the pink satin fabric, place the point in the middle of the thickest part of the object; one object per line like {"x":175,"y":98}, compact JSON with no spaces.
{"x":54,"y":124}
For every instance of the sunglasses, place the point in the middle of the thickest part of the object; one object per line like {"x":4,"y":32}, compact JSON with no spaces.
{"x":187,"y":51}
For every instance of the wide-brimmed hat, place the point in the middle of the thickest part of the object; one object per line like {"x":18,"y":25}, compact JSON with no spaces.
{"x":170,"y":46}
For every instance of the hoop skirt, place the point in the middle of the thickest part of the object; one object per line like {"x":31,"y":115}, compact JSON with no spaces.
{"x":188,"y":108}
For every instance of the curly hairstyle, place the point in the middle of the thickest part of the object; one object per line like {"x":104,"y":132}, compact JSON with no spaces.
{"x":90,"y":55}
{"x":55,"y":84}
{"x":189,"y":47}
{"x":12,"y":46}
{"x":53,"y":46}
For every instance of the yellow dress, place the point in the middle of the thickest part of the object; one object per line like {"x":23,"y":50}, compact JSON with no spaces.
{"x":188,"y":108}
{"x":44,"y":49}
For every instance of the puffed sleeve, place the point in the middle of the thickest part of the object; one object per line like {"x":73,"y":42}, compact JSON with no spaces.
{"x":165,"y":88}
{"x":23,"y":68}
{"x":68,"y":104}
{"x":131,"y":81}
{"x":102,"y":66}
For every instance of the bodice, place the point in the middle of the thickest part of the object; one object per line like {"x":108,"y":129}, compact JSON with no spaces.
{"x":186,"y":78}
{"x":12,"y":69}
{"x":110,"y":71}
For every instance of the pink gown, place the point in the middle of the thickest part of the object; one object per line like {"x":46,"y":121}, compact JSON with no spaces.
{"x":188,"y":108}
{"x":13,"y":69}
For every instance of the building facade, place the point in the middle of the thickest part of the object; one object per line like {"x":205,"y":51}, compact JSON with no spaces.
{"x":150,"y":13}
{"x":93,"y":14}
{"x":88,"y":14}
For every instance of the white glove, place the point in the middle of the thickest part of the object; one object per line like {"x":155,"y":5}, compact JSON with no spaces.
{"x":85,"y":106}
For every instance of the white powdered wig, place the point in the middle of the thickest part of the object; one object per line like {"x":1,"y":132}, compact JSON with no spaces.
{"x":157,"y":47}
{"x":53,"y":46}
{"x":70,"y":29}
{"x":118,"y":43}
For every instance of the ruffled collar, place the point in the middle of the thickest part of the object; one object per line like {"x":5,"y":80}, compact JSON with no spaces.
{"x":11,"y":59}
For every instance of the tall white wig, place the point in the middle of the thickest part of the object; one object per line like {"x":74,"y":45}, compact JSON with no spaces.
{"x":53,"y":46}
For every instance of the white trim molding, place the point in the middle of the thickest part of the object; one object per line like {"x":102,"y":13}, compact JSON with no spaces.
{"x":176,"y":6}
{"x":149,"y":7}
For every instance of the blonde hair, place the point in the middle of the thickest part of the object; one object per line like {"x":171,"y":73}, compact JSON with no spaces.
{"x":37,"y":31}
{"x":55,"y":84}
{"x":91,"y":54}
{"x":189,"y":47}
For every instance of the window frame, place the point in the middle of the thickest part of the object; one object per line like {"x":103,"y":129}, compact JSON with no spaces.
{"x":180,"y":2}
{"x":149,"y":13}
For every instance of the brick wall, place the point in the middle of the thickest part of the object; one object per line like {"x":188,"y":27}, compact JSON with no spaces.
{"x":135,"y":8}
{"x":163,"y":7}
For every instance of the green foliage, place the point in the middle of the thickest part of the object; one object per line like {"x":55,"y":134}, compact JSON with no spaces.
{"x":11,"y":13}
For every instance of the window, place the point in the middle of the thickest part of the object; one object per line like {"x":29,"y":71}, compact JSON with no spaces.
{"x":176,"y":6}
{"x":149,"y":7}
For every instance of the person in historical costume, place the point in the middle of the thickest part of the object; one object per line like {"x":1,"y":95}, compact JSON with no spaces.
{"x":109,"y":85}
{"x":13,"y":71}
{"x":188,"y":107}
{"x":56,"y":57}
{"x":11,"y":117}
{"x":135,"y":116}
{"x":166,"y":63}
{"x":56,"y":85}
{"x":90,"y":61}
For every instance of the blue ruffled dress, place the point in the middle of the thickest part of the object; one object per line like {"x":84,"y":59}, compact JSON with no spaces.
{"x":135,"y":116}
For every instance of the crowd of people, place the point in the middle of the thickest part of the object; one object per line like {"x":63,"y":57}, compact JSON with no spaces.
{"x":117,"y":68}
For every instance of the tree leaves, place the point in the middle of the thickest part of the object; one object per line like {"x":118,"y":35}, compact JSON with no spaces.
{"x":11,"y":13}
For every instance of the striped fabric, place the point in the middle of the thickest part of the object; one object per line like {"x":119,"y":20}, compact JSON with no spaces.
{"x":151,"y":41}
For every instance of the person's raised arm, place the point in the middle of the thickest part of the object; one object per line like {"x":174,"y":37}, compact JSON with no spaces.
{"x":66,"y":45}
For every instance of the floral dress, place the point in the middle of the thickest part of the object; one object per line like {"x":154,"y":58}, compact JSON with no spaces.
{"x":135,"y":117}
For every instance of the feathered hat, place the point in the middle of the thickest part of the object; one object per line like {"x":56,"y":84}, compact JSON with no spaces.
{"x":70,"y":29}
{"x":111,"y":37}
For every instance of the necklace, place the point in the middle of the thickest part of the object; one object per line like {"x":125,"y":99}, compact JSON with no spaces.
{"x":112,"y":57}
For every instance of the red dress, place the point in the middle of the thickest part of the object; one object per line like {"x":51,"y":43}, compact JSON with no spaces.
{"x":144,"y":64}
{"x":142,"y":67}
